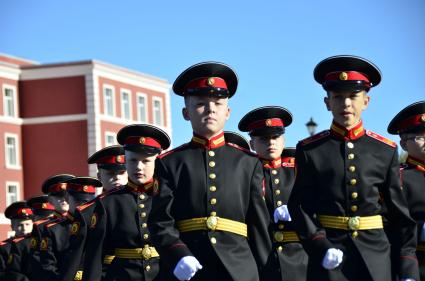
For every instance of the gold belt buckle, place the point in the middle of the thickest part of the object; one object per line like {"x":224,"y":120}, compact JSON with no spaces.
{"x":354,"y":223}
{"x":212,"y":222}
{"x":146,"y":252}
{"x":278,"y":236}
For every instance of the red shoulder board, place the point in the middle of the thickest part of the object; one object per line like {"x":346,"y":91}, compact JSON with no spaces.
{"x":316,"y":137}
{"x":85,"y":205}
{"x":55,"y":222}
{"x":16,"y":240}
{"x":241,"y":149}
{"x":381,"y":138}
{"x":288,"y":164}
{"x":41,"y":221}
{"x":108,"y":192}
{"x":181,"y":147}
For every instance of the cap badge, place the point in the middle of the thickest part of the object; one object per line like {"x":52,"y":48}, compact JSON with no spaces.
{"x":63,"y":186}
{"x":268,"y":122}
{"x":120,"y":159}
{"x":343,"y":76}
{"x":24,"y":212}
{"x":142,"y":140}
{"x":85,"y":188}
{"x":210,"y":81}
{"x":44,"y":206}
{"x":423,"y":118}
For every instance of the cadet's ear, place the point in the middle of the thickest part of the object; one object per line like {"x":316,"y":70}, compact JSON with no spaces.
{"x":326,"y":101}
{"x":185,"y":114}
{"x":251,"y":143}
{"x":403,"y":144}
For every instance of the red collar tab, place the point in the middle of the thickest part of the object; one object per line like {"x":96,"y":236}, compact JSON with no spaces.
{"x":57,"y":187}
{"x":342,"y":133}
{"x":115,"y":159}
{"x":411,"y":122}
{"x":271,"y":122}
{"x":347,"y":76}
{"x":81,"y":188}
{"x":24,"y":212}
{"x":150,"y":187}
{"x":143,"y":141}
{"x":289,"y":160}
{"x":206,"y":82}
{"x":415,"y":163}
{"x":272,"y":164}
{"x":43,"y":206}
{"x":211,"y":143}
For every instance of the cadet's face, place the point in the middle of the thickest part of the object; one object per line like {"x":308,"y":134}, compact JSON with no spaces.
{"x":207,"y":114}
{"x":347,"y":107}
{"x":268,"y":147}
{"x":140,"y":166}
{"x":22,"y":227}
{"x":60,"y":203}
{"x":112,"y":178}
{"x":414,"y":144}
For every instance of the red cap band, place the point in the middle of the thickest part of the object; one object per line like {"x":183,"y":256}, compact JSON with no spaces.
{"x":346,"y":76}
{"x":81,"y":188}
{"x":24,"y":211}
{"x":143,"y":140}
{"x":272,"y":122}
{"x":206,"y":82}
{"x":116,"y":159}
{"x":43,"y":206}
{"x":412,"y":122}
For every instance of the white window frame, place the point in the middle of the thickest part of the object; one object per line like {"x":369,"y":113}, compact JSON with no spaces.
{"x":15,"y":100}
{"x":145,"y":96}
{"x":18,"y":191}
{"x":105,"y":111}
{"x":130,"y":107}
{"x":162,"y":111}
{"x":110,"y":134}
{"x":16,"y":166}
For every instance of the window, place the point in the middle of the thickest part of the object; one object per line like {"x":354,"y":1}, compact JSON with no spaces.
{"x":109,"y":101}
{"x":12,"y":192}
{"x":9,"y":101}
{"x":125,"y":105}
{"x":142,"y":113}
{"x":110,"y":138}
{"x":11,"y":148}
{"x":157,"y":111}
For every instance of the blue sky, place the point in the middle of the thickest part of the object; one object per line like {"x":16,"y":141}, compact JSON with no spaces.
{"x":273,"y":46}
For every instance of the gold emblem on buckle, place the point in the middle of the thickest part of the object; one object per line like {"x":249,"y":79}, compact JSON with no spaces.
{"x":278,"y":236}
{"x":212,"y":222}
{"x":343,"y":76}
{"x":354,"y":223}
{"x":146,"y":252}
{"x":210,"y":81}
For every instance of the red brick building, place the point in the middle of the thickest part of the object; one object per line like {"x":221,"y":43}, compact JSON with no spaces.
{"x":53,"y":116}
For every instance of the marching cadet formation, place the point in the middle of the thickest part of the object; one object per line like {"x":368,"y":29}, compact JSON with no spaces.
{"x":337,"y":207}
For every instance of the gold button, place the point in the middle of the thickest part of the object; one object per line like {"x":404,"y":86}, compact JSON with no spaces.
{"x":353,"y":181}
{"x":276,"y":181}
{"x":352,"y":169}
{"x":354,"y":234}
{"x":143,"y":215}
{"x":211,"y":164}
{"x":213,"y":214}
{"x":280,"y":248}
{"x":351,"y":156}
{"x":277,"y":192}
{"x":354,"y":195}
{"x":148,"y":268}
{"x":145,"y":236}
{"x":350,"y":145}
{"x":213,"y":201}
{"x":211,"y":153}
{"x":144,"y":225}
{"x":213,"y":188}
{"x":274,"y":172}
{"x":354,"y":208}
{"x":279,"y":203}
{"x":278,"y":236}
{"x":142,"y":196}
{"x":141,"y":206}
{"x":212,"y":176}
{"x":281,"y":226}
{"x":213,"y":240}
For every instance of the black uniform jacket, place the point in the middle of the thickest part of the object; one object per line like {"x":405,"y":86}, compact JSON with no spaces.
{"x":349,"y":174}
{"x":18,"y":265}
{"x":211,"y":178}
{"x":119,"y":222}
{"x":288,"y":260}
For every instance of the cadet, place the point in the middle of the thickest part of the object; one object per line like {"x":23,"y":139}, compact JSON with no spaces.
{"x":266,"y":126}
{"x":210,"y":192}
{"x":119,"y":223}
{"x":344,"y":177}
{"x":410,"y":125}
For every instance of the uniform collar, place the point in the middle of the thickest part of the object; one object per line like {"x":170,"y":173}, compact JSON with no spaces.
{"x":415,"y":163}
{"x":272,"y":164}
{"x":214,"y":142}
{"x":344,"y":134}
{"x":149,"y":187}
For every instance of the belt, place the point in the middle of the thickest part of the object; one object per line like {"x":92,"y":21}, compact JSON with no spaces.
{"x":213,"y":223}
{"x":108,"y":259}
{"x":78,"y":275}
{"x":137,"y":253}
{"x":285,"y":236}
{"x":352,"y":223}
{"x":420,"y":247}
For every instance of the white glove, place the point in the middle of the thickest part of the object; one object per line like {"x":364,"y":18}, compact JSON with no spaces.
{"x":282,"y":214}
{"x":186,"y":268}
{"x":407,"y":279}
{"x":332,"y":259}
{"x":422,"y":236}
